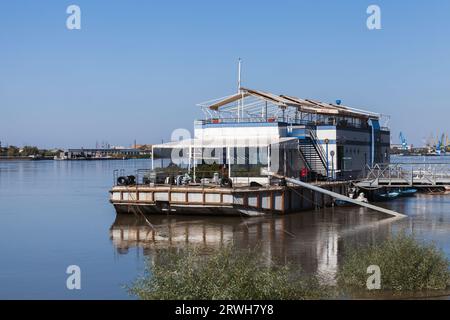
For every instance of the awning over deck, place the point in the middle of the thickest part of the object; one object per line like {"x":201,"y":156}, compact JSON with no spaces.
{"x":223,"y":143}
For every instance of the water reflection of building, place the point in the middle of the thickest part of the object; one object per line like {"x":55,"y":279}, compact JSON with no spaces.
{"x":313,"y":241}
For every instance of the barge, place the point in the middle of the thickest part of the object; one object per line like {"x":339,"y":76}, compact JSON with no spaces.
{"x":247,"y":201}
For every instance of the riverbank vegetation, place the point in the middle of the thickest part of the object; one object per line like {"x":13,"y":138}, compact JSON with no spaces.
{"x":227,"y":273}
{"x":223,"y":274}
{"x":405,"y":263}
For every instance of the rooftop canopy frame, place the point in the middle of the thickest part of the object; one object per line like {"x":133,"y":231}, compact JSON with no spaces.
{"x":249,"y":104}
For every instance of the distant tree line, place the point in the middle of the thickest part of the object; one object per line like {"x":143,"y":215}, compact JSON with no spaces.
{"x":27,"y":151}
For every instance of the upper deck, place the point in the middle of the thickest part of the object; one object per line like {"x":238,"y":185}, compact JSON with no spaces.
{"x":252,"y":108}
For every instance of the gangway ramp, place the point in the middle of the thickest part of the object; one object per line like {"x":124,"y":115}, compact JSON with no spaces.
{"x":339,"y":196}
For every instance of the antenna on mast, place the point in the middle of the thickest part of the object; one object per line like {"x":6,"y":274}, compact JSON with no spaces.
{"x":239,"y":103}
{"x":239,"y":74}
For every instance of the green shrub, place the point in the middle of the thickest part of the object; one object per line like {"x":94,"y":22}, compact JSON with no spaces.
{"x":405,"y":264}
{"x":223,"y":274}
{"x":227,"y":273}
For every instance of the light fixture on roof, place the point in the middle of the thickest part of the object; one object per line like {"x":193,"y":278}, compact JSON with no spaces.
{"x":338,"y":102}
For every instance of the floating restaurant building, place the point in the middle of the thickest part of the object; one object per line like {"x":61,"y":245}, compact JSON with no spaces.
{"x":258,"y":146}
{"x":254,"y":130}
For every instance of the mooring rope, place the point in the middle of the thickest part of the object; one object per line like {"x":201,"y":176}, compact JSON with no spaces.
{"x":130,"y":206}
{"x":316,"y":205}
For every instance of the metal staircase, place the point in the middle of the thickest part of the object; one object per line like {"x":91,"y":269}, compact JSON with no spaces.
{"x":312,"y":153}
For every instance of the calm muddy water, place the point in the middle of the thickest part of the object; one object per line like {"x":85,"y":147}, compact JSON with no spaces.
{"x":56,"y":213}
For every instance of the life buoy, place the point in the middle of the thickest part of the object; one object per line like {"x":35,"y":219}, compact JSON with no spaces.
{"x":122,"y":181}
{"x":126,"y":181}
{"x":131,"y":180}
{"x":226,"y":182}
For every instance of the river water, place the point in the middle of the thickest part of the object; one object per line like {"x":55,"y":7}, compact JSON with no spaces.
{"x":56,"y":213}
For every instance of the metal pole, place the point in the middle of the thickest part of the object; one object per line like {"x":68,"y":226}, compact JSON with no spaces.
{"x":239,"y":75}
{"x":189,"y":158}
{"x":229,"y":162}
{"x":152,"y":158}
{"x":332,"y":163}
{"x":326,"y":144}
{"x":162,"y":158}
{"x":239,"y":90}
{"x":194,"y":162}
{"x":265,"y":111}
{"x":332,"y":167}
{"x":268,"y":163}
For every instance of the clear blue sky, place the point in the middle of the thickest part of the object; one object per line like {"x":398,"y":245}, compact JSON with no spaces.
{"x":136,"y":69}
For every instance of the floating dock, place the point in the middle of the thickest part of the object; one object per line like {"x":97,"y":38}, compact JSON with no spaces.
{"x":400,"y":175}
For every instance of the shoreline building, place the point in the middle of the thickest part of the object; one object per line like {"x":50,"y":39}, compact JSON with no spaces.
{"x":251,"y":132}
{"x":98,"y":153}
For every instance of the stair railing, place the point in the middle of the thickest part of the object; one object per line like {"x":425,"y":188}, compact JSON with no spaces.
{"x":318,"y":147}
{"x":303,"y":158}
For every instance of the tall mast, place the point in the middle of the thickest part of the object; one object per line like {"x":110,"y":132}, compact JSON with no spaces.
{"x":240,"y":109}
{"x":239,"y":74}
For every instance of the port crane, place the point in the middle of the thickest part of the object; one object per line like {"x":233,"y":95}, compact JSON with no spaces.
{"x":440,"y":145}
{"x":446,"y":144}
{"x":403,"y":141}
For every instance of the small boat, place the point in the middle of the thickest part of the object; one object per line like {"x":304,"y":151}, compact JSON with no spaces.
{"x":385,"y":196}
{"x":342,"y":203}
{"x":409,"y":192}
